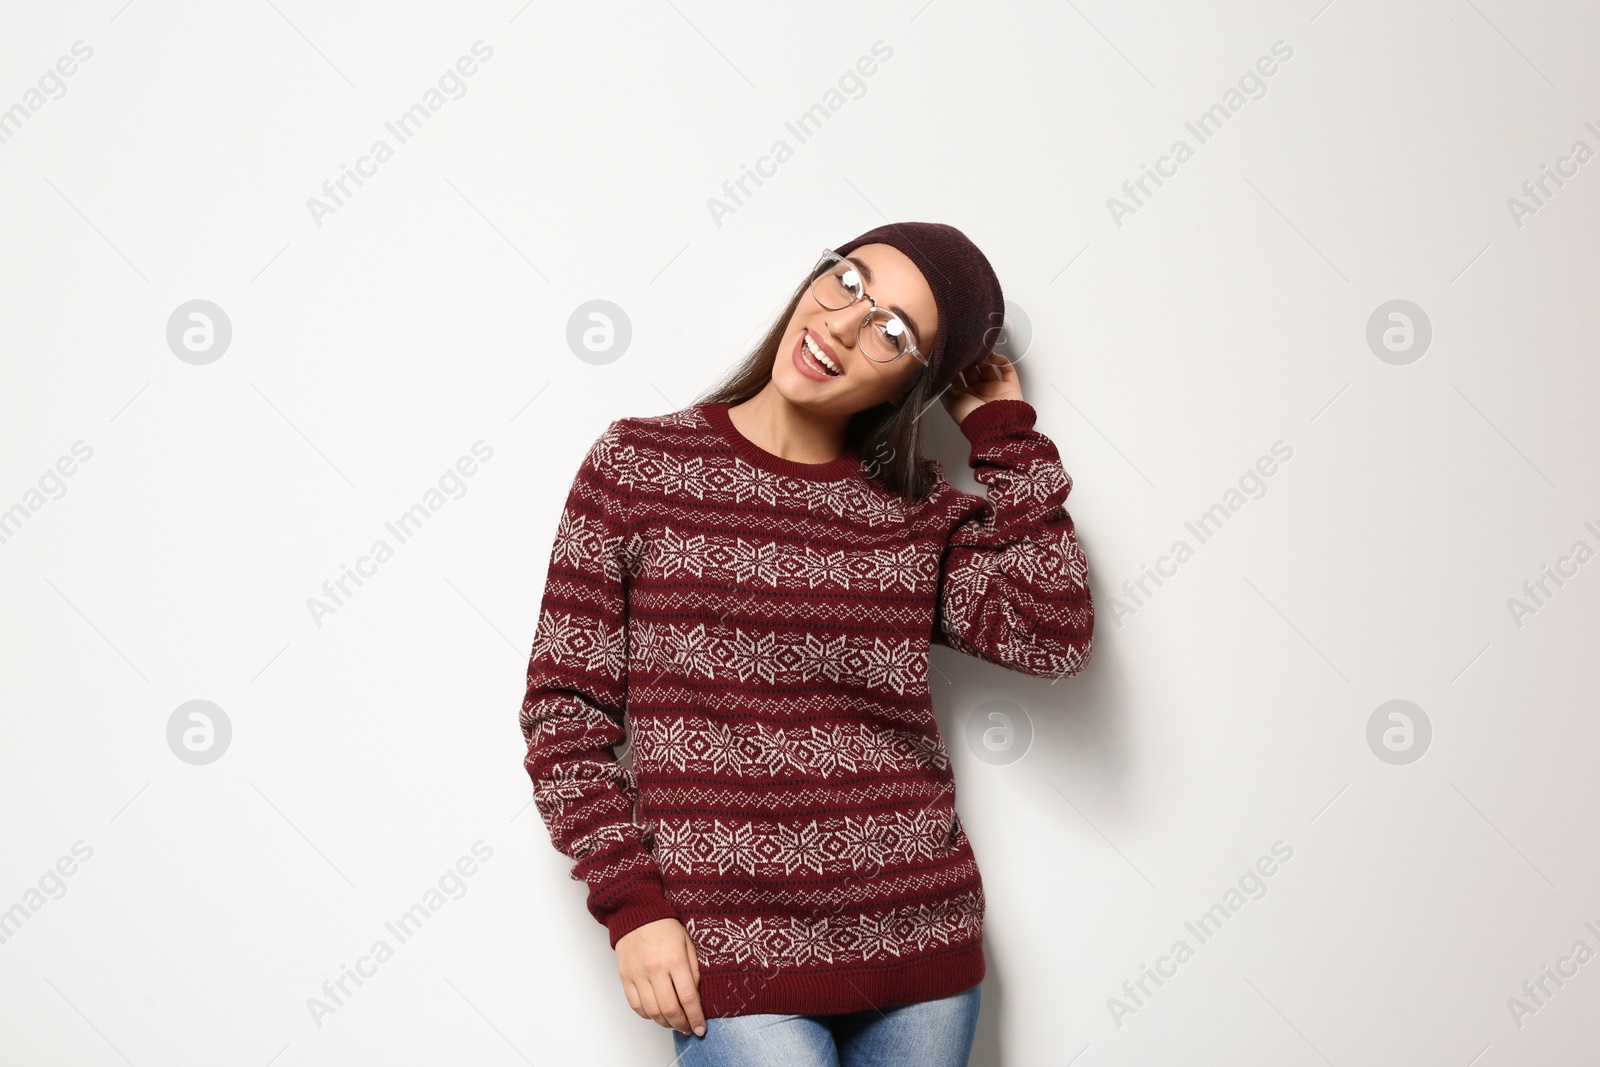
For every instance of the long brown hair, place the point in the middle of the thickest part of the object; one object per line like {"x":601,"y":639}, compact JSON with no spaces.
{"x":887,"y":437}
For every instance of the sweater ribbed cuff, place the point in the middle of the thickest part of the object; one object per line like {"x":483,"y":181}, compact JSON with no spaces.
{"x":998,"y":417}
{"x":650,"y":906}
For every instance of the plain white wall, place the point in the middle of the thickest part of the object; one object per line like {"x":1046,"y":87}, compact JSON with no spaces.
{"x":1170,"y":348}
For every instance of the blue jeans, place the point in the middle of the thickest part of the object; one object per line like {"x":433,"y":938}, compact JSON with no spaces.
{"x":932,"y":1033}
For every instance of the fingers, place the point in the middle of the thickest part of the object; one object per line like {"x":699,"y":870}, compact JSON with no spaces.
{"x":656,"y":1000}
{"x":647,"y":1002}
{"x":993,"y":367}
{"x":653,"y":995}
{"x":666,"y":994}
{"x":660,"y":974}
{"x":689,"y":997}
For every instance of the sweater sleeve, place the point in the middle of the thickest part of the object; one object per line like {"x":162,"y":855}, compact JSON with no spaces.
{"x":1014,"y":583}
{"x":577,"y":687}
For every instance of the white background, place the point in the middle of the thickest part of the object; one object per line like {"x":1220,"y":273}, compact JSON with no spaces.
{"x":1224,"y":713}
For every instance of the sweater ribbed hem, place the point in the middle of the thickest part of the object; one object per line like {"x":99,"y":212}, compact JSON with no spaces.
{"x":843,"y":990}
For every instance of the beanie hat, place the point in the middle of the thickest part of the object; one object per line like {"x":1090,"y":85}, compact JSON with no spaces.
{"x":965,"y":290}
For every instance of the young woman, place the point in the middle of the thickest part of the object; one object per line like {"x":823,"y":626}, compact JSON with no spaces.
{"x":750,"y":585}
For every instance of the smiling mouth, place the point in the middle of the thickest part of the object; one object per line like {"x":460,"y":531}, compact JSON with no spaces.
{"x":824,"y":364}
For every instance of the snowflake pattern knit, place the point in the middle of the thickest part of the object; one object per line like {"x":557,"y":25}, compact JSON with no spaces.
{"x":765,"y":625}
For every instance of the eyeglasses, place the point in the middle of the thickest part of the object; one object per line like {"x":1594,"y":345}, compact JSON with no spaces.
{"x":883,"y":336}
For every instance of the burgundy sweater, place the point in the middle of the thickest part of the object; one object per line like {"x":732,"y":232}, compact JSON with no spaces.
{"x":760,"y":630}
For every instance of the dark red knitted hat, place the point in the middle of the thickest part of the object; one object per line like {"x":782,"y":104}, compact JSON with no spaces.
{"x":965,"y":290}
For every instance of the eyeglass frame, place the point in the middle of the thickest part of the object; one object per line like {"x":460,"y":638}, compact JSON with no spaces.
{"x":830,"y":257}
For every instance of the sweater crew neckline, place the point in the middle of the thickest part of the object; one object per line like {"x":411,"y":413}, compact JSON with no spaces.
{"x":846,"y":464}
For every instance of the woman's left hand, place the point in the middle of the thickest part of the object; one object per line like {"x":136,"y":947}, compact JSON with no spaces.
{"x":991,"y":378}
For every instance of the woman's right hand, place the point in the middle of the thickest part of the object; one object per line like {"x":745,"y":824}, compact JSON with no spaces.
{"x":661,"y":975}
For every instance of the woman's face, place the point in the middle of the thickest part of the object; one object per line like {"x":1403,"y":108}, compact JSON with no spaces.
{"x":895,"y":283}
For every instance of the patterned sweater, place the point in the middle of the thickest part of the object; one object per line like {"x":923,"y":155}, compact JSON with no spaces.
{"x":757,"y":630}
